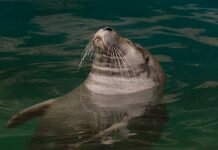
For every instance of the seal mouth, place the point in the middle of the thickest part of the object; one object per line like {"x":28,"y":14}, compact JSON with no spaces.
{"x":98,"y":42}
{"x":106,"y":39}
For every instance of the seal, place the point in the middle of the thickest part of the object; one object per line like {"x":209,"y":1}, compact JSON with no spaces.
{"x":125,"y":82}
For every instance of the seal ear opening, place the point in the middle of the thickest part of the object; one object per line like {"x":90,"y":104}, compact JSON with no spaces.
{"x":147,"y":59}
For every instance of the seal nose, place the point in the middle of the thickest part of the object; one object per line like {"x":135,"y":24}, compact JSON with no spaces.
{"x":108,"y":29}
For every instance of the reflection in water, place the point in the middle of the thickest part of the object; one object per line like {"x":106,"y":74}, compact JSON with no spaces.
{"x":208,"y":84}
{"x":82,"y":118}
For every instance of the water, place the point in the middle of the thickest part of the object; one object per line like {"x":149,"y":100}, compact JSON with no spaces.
{"x":40,"y":47}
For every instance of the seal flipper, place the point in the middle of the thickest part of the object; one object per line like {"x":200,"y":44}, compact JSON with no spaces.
{"x":29,"y":113}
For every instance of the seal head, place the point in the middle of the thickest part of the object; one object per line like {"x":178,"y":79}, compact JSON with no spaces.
{"x":121,"y":66}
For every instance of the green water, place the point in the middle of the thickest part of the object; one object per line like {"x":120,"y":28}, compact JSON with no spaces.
{"x":41,"y":43}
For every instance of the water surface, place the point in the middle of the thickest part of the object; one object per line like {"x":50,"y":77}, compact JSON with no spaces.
{"x":40,"y":47}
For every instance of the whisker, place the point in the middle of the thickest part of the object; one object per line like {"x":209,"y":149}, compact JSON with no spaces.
{"x":133,"y":70}
{"x":108,"y":52}
{"x":115,"y":59}
{"x":113,"y":46}
{"x":91,"y":54}
{"x":124,"y":63}
{"x":119,"y":65}
{"x":89,"y":49}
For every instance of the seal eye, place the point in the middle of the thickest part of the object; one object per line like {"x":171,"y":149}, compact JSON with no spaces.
{"x":108,"y":28}
{"x":147,"y":59}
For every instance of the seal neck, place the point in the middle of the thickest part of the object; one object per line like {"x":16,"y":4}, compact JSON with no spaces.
{"x":110,"y":76}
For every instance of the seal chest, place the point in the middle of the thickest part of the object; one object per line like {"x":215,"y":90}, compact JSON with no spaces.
{"x":121,"y":66}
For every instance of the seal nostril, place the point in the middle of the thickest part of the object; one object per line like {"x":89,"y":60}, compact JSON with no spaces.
{"x":108,"y":29}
